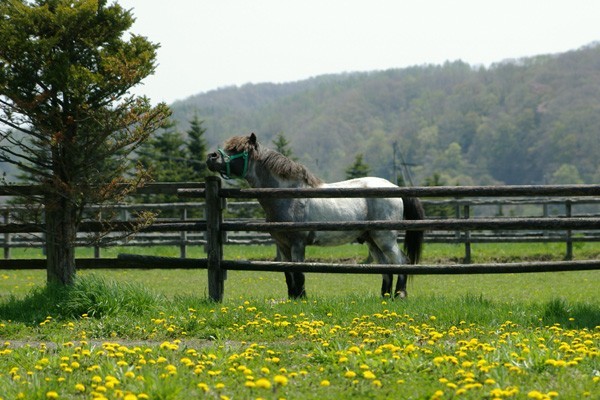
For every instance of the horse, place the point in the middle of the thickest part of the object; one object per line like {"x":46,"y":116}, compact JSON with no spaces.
{"x":244,"y":157}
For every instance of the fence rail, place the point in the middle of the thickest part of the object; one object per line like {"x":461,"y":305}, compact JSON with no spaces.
{"x":184,"y":232}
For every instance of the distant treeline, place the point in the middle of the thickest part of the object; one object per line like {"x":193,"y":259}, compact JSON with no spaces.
{"x":527,"y":121}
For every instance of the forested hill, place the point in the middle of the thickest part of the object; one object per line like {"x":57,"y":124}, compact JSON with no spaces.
{"x":526,"y":121}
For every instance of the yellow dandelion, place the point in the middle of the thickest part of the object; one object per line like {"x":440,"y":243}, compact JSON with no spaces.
{"x":325,"y":383}
{"x":263,"y":383}
{"x":52,"y":395}
{"x":535,"y":394}
{"x":280,"y":380}
{"x":437,"y":395}
{"x":368,"y":375}
{"x":203,"y":386}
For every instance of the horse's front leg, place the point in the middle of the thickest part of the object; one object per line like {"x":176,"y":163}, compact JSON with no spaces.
{"x":298,"y":252}
{"x":386,"y":285}
{"x":401,"y":287}
{"x":283,"y":254}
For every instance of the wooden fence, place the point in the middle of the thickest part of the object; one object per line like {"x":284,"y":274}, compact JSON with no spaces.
{"x":459,"y":208}
{"x":216,"y":227}
{"x":217,"y":267}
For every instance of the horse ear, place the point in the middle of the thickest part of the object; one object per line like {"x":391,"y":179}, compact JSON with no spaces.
{"x":252,"y":139}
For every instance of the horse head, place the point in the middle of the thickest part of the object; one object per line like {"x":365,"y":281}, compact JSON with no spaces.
{"x":232,"y":160}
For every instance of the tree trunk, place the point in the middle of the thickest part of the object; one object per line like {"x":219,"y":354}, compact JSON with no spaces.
{"x":61,"y":233}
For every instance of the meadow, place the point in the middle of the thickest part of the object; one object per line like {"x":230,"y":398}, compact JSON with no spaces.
{"x":152,"y":334}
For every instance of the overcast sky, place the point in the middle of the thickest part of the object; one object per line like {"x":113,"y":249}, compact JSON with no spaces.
{"x":207,"y":44}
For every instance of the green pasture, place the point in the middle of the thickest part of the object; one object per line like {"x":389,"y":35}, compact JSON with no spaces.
{"x":152,"y":334}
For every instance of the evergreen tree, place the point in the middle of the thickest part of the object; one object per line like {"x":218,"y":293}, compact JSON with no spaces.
{"x":282,"y":146}
{"x":67,"y":117}
{"x":359,"y":169}
{"x":165,"y":158}
{"x":197,"y":149}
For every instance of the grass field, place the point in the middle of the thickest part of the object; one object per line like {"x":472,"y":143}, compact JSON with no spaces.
{"x":125,"y":334}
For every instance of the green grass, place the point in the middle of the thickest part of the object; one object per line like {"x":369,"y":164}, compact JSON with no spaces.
{"x":543,"y":286}
{"x":153,"y":333}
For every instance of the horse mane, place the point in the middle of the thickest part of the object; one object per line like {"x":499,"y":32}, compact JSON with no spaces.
{"x":286,"y":168}
{"x":272,"y":160}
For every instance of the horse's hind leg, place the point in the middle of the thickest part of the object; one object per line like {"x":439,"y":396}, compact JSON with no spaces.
{"x":388,"y":279}
{"x":386,"y":243}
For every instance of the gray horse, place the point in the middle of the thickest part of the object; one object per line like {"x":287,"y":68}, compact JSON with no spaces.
{"x":244,"y":157}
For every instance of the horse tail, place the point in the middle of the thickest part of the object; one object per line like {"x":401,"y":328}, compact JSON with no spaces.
{"x":413,"y":240}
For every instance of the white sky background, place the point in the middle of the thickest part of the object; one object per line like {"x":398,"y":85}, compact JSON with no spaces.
{"x":207,"y":44}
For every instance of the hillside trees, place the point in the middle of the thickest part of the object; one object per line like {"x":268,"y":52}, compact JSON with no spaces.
{"x":66,"y":116}
{"x":516,"y":121}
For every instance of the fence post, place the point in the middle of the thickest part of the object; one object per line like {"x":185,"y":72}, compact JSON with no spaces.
{"x":568,"y":212}
{"x":7,"y":236}
{"x":183,"y":238}
{"x":457,"y":234}
{"x":214,"y":245}
{"x":96,"y":246}
{"x":467,"y":215}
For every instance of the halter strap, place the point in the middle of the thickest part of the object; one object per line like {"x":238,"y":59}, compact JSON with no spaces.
{"x":227,"y":159}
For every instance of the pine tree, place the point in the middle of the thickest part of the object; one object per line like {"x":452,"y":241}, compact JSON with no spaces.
{"x":197,"y":149}
{"x":67,"y":118}
{"x":165,"y":158}
{"x":282,"y":146}
{"x":359,"y":169}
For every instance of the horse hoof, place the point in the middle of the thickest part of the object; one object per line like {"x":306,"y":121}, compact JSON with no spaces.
{"x":401,"y":294}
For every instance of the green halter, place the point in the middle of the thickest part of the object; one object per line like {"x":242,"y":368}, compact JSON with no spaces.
{"x":227,"y":159}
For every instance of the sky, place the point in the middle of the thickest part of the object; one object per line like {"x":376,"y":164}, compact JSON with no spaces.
{"x":210,"y":44}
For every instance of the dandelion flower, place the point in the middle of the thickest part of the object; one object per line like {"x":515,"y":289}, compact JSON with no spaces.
{"x":325,"y":383}
{"x":203,"y":387}
{"x":368,"y":375}
{"x":263,"y":383}
{"x":280,"y":380}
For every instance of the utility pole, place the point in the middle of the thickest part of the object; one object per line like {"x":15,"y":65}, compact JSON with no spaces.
{"x":404,"y":170}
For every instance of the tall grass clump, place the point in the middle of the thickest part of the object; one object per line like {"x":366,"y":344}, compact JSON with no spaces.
{"x":91,"y":295}
{"x":98,"y":297}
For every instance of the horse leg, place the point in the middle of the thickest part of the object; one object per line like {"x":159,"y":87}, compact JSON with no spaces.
{"x":297,"y":255}
{"x":388,"y":279}
{"x":386,"y":243}
{"x":284,"y":254}
{"x":401,"y":286}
